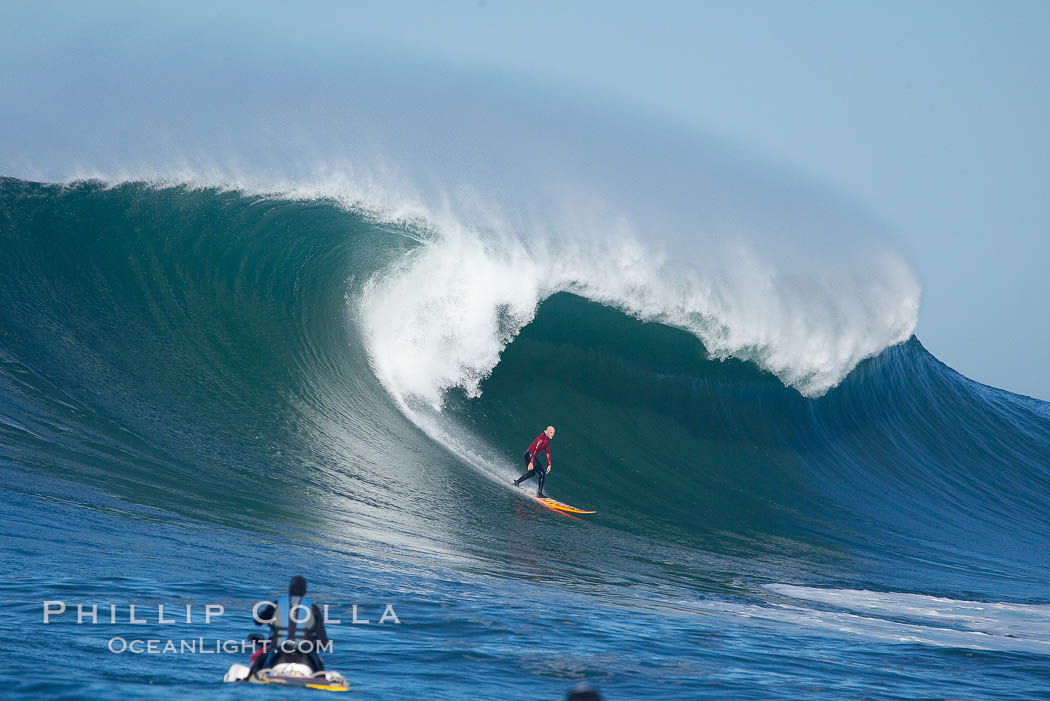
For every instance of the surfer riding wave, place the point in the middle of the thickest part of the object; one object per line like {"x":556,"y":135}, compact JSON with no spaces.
{"x":541,"y":442}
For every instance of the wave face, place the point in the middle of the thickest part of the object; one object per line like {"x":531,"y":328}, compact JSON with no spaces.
{"x":291,"y":371}
{"x":906,"y":458}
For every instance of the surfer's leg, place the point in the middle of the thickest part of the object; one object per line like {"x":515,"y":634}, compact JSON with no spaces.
{"x":528,"y":473}
{"x":541,"y":472}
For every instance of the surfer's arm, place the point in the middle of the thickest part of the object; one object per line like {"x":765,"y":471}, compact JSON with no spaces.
{"x":319,"y":631}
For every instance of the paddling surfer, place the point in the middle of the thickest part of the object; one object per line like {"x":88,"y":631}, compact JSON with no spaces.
{"x":541,"y":442}
{"x":297,"y":629}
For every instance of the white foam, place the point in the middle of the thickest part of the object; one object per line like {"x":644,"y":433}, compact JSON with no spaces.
{"x":897,"y":618}
{"x":1027,"y":621}
{"x":441,"y":317}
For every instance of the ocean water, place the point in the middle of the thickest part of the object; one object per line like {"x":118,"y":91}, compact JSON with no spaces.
{"x":206,"y":389}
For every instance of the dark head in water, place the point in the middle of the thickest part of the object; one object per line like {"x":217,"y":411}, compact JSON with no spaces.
{"x":583,"y":692}
{"x":297,"y":587}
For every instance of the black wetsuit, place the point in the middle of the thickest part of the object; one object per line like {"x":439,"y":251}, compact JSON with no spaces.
{"x":537,"y":469}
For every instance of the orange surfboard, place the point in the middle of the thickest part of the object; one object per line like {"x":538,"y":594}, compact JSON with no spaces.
{"x":560,"y":506}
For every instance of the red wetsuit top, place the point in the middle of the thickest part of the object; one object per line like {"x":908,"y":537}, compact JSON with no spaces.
{"x":541,"y":442}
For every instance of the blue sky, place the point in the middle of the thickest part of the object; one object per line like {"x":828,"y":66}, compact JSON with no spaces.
{"x":933,"y":116}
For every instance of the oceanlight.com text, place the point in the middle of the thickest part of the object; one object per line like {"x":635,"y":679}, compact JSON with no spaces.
{"x":201,"y":646}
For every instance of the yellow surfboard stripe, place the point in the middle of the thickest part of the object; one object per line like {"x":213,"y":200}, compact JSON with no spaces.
{"x":327,"y":687}
{"x":559,"y":506}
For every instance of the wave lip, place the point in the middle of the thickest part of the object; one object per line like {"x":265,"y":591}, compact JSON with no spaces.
{"x":440,"y":317}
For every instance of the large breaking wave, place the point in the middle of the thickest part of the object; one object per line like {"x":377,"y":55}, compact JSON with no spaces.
{"x":161,"y":343}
